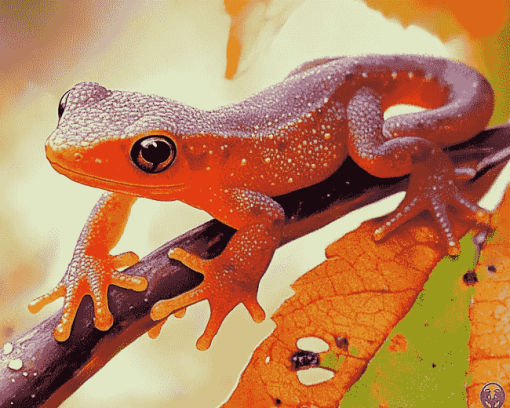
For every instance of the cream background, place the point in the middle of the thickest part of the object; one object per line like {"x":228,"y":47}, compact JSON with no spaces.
{"x":175,"y":49}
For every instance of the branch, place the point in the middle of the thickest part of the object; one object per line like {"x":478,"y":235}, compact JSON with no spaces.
{"x":51,"y":371}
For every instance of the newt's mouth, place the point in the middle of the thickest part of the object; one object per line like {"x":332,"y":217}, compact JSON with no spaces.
{"x":117,"y":186}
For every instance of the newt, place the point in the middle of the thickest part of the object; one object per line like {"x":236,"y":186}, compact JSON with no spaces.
{"x":230,"y":161}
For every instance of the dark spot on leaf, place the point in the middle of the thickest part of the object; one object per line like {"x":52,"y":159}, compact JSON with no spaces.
{"x":491,"y":268}
{"x":278,"y":401}
{"x":304,"y":358}
{"x":433,"y":365}
{"x":470,"y":278}
{"x":342,"y":342}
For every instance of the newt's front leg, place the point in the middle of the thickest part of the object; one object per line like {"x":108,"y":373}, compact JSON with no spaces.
{"x":92,"y":268}
{"x":232,"y":277}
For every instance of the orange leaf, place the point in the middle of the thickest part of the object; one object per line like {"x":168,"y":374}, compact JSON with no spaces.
{"x":352,"y":301}
{"x":490,"y":312}
{"x":448,"y":18}
{"x":254,"y":24}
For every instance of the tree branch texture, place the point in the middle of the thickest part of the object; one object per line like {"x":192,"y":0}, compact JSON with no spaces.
{"x":39,"y":371}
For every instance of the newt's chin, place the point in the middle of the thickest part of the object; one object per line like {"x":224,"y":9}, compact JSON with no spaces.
{"x":162,"y":192}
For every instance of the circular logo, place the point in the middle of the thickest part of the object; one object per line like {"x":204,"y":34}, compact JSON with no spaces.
{"x":492,"y":395}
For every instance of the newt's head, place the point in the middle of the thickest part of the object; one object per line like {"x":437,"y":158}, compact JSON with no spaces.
{"x":122,"y":141}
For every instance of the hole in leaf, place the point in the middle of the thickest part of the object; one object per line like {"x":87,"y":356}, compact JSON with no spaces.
{"x":312,"y":344}
{"x":315,"y":375}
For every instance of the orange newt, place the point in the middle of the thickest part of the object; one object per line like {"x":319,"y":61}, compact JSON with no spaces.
{"x":230,"y":162}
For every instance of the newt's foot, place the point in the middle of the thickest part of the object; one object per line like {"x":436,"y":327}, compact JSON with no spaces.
{"x":87,"y":275}
{"x":224,"y":285}
{"x":434,"y":192}
{"x":156,"y":330}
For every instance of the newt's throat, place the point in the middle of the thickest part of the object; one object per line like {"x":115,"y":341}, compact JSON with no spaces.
{"x":128,"y":188}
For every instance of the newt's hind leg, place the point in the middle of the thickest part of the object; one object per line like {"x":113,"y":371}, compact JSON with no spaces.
{"x":434,"y":192}
{"x":432,"y":175}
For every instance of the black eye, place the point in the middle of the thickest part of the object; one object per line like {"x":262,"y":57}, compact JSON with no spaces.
{"x":153,"y":154}
{"x":62,"y":104}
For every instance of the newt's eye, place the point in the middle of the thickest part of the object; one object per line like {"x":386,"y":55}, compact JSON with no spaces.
{"x":153,"y":154}
{"x":62,"y":104}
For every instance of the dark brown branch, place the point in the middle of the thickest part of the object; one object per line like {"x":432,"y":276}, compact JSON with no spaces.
{"x":51,"y":371}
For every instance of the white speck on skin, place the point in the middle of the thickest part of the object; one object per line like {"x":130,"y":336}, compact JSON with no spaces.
{"x":8,"y":347}
{"x":15,"y":364}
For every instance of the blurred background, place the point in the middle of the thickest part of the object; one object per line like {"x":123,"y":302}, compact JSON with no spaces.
{"x":205,"y":53}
